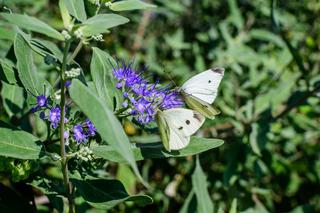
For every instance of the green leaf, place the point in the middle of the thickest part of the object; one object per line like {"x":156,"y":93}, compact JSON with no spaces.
{"x":47,"y":48}
{"x":147,"y":151}
{"x":7,"y":34}
{"x":32,"y":24}
{"x":200,"y":185}
{"x":13,"y":98}
{"x":130,"y":5}
{"x":189,"y":204}
{"x":101,"y":23}
{"x":233,"y":208}
{"x":107,"y":193}
{"x":254,"y":139}
{"x":17,"y":143}
{"x":104,"y":120}
{"x":235,"y":15}
{"x":66,"y":18}
{"x":26,"y":69}
{"x":76,"y":9}
{"x":127,"y":177}
{"x":7,"y":73}
{"x":101,"y":71}
{"x":47,"y":186}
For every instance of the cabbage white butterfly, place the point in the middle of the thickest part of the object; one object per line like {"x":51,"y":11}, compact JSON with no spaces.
{"x":176,"y":125}
{"x":200,"y":91}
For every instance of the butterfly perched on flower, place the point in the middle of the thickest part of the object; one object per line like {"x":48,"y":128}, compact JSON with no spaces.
{"x":178,"y":124}
{"x":147,"y":102}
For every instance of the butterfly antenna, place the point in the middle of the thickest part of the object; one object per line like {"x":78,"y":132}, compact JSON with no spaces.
{"x":170,"y":77}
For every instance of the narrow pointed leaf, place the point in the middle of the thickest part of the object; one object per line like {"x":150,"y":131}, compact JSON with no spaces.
{"x":130,"y":5}
{"x":26,"y":68}
{"x":13,"y":98}
{"x":107,"y":193}
{"x":200,"y":187}
{"x":148,"y":151}
{"x":66,"y":18}
{"x":189,"y":204}
{"x":101,"y":23}
{"x":32,"y":24}
{"x":76,"y":9}
{"x":18,"y":144}
{"x":104,"y":120}
{"x":7,"y":72}
{"x":101,"y":71}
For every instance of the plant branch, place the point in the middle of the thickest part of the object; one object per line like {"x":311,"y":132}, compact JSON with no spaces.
{"x":297,"y":103}
{"x":64,"y":163}
{"x":76,"y":51}
{"x":141,"y":31}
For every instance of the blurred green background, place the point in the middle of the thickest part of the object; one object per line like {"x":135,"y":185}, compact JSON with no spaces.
{"x":269,"y":97}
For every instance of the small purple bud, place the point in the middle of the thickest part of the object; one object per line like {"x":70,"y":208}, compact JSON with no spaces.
{"x":125,"y":104}
{"x":68,"y":83}
{"x":34,"y":109}
{"x":66,"y":134}
{"x":41,"y":100}
{"x":42,"y":115}
{"x":119,"y":85}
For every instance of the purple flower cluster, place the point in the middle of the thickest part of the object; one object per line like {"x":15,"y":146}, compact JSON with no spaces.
{"x":143,"y":99}
{"x":52,"y":114}
{"x":81,"y":133}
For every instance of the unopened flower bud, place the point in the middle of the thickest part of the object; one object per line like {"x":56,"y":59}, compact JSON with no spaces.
{"x":78,"y":33}
{"x":66,"y":34}
{"x":73,"y":73}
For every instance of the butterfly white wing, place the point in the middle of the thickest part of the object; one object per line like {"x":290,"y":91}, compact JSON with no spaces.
{"x":204,"y":85}
{"x":182,"y":123}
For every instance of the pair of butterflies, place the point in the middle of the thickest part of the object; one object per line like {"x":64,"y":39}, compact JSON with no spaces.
{"x":178,"y":124}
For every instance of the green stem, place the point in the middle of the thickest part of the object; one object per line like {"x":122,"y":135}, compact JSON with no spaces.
{"x":64,"y":163}
{"x":76,"y":51}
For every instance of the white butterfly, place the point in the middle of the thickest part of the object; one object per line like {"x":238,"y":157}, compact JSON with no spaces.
{"x":200,"y":91}
{"x":177,"y":125}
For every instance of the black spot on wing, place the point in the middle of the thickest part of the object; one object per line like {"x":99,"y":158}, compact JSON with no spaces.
{"x":218,"y":70}
{"x":197,"y":116}
{"x":187,"y":122}
{"x":180,"y":128}
{"x":209,"y":81}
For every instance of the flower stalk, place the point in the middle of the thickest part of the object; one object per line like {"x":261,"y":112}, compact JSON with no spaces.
{"x":64,"y":163}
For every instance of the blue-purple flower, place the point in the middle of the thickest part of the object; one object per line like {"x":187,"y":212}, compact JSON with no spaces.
{"x":78,"y":134}
{"x":41,"y":100}
{"x":142,"y":98}
{"x":91,"y":128}
{"x":68,"y":83}
{"x":54,"y":116}
{"x":171,"y":100}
